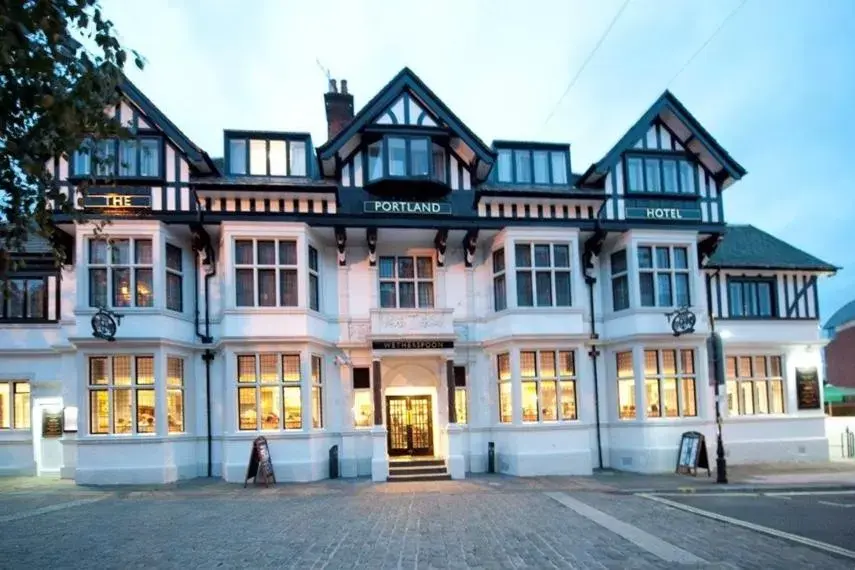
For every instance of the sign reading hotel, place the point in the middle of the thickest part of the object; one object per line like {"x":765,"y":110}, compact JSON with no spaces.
{"x":419,"y":208}
{"x":412,"y":344}
{"x":678,"y":214}
{"x":118,"y":198}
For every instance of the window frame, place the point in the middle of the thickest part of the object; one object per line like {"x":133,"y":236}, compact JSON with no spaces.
{"x":247,"y":137}
{"x":632,"y":411}
{"x":533,"y":270}
{"x":500,"y":302}
{"x":551,"y":151}
{"x":416,"y":280}
{"x":745,"y":284}
{"x":620,"y":275}
{"x":6,"y":299}
{"x":679,"y":376}
{"x":461,"y":389}
{"x":433,"y":145}
{"x":179,"y":273}
{"x":13,"y":385}
{"x":363,"y":391}
{"x":110,"y":388}
{"x":316,"y":363}
{"x":109,"y":267}
{"x":176,"y":389}
{"x":313,"y":265}
{"x":734,"y":383}
{"x":86,"y":147}
{"x":558,"y":380}
{"x":280,"y":384}
{"x":672,"y":271}
{"x":660,"y":157}
{"x":504,"y":379}
{"x":278,"y":269}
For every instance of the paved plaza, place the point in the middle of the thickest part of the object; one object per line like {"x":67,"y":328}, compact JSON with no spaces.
{"x":483,"y":522}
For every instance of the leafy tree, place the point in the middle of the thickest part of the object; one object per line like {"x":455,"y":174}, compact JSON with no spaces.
{"x":60,"y":63}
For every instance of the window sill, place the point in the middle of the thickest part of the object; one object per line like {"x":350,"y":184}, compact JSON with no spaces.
{"x":530,"y":310}
{"x":21,"y":324}
{"x":803,"y":414}
{"x":269,"y":310}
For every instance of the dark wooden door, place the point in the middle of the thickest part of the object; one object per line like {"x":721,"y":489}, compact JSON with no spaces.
{"x":409,"y":424}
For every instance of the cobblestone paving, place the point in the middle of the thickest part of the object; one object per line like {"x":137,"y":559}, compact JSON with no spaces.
{"x":361,"y":525}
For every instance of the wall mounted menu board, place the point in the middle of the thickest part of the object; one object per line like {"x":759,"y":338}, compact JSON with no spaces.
{"x":260,"y":465}
{"x":692,"y":454}
{"x":51,"y":423}
{"x":807,"y":388}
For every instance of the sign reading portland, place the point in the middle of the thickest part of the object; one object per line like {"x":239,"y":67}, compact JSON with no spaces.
{"x":390,"y":207}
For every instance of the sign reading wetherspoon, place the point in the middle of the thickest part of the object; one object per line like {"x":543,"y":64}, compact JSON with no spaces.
{"x":119,"y":198}
{"x":411,"y":344}
{"x":687,"y":214}
{"x":392,"y":207}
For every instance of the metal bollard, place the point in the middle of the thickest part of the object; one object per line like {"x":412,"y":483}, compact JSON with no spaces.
{"x":334,"y":462}
{"x":491,"y":457}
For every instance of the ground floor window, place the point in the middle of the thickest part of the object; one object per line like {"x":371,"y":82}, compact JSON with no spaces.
{"x":669,"y":383}
{"x":503,"y":367}
{"x":121,"y":394}
{"x":317,"y":392}
{"x":175,"y":394}
{"x":269,"y":392}
{"x":548,"y":385}
{"x":625,"y":386}
{"x":14,"y":405}
{"x":755,"y":385}
{"x":460,"y":400}
{"x":363,"y":399}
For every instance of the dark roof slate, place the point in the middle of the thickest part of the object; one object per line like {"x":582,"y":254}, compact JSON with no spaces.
{"x":744,"y":246}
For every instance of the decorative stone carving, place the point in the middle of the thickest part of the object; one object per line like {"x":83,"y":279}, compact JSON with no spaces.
{"x":461,"y":332}
{"x":416,"y":322}
{"x":357,"y":332}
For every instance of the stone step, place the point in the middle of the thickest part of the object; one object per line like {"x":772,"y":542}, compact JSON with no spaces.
{"x":416,"y":470}
{"x":406,"y":478}
{"x":417,"y":463}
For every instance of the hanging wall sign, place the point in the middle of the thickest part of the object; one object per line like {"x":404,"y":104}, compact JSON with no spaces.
{"x":807,"y":388}
{"x":677,"y":214}
{"x":412,"y":208}
{"x":117,"y":198}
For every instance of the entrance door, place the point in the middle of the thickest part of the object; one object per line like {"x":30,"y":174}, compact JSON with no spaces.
{"x":410,"y":427}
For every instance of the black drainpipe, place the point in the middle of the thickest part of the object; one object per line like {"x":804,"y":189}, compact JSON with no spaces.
{"x":203,"y":244}
{"x":593,"y":354}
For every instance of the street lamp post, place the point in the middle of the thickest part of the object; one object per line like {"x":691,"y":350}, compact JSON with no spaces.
{"x":715,"y":350}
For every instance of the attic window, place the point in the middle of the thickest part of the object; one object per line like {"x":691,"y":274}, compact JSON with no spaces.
{"x":406,"y":157}
{"x":266,"y":157}
{"x":660,"y":175}
{"x":532,"y":166}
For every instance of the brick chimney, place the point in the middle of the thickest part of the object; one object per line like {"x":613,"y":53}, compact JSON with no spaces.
{"x":339,"y":108}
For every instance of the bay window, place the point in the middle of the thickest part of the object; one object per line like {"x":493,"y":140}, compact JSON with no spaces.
{"x":751,"y":297}
{"x":548,"y":385}
{"x":500,"y":300}
{"x":269,"y":392}
{"x":406,"y":282}
{"x":669,"y":383}
{"x":125,"y":158}
{"x":174,"y":278}
{"x":543,"y":274}
{"x":122,"y":267}
{"x":363,"y":399}
{"x":266,"y":273}
{"x":503,"y":369}
{"x":121,"y":394}
{"x":620,"y":281}
{"x":248,"y":153}
{"x":14,"y":405}
{"x":625,"y":385}
{"x":661,"y":174}
{"x":663,"y":273}
{"x":755,"y":385}
{"x":23,"y":298}
{"x":537,"y":165}
{"x":396,"y":156}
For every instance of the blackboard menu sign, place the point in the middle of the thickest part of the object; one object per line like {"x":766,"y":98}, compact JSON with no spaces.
{"x":260,"y":466}
{"x":807,"y":388}
{"x":692,"y":454}
{"x":51,"y":423}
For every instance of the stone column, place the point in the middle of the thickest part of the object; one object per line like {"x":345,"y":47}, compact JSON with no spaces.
{"x":379,"y":454}
{"x":449,"y":384}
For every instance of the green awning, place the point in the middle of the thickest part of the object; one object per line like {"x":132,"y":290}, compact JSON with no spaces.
{"x":836,"y":394}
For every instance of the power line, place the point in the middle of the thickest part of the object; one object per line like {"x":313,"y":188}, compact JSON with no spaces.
{"x":587,"y":60}
{"x":706,"y":43}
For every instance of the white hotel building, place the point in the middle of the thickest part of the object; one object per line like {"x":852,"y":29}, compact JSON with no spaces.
{"x":402,"y":290}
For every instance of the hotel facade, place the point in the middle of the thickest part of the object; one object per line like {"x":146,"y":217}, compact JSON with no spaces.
{"x":404,"y":290}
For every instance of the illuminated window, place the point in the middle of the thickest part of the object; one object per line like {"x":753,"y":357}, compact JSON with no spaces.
{"x":548,"y":385}
{"x":626,"y":386}
{"x":269,"y":393}
{"x":175,"y":394}
{"x":460,"y":399}
{"x":543,"y":274}
{"x":755,"y":385}
{"x":663,"y":274}
{"x":317,"y":392}
{"x":266,"y":157}
{"x":500,"y":299}
{"x":14,"y":405}
{"x":406,"y":282}
{"x":363,"y":400}
{"x":266,"y":273}
{"x":121,"y":395}
{"x":120,"y":273}
{"x":503,"y":367}
{"x":669,"y":383}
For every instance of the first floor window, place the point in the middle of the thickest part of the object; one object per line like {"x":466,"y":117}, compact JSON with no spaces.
{"x":266,"y":273}
{"x":755,"y":385}
{"x":626,"y":386}
{"x":314,"y":285}
{"x":543,"y":274}
{"x":174,"y":300}
{"x":751,"y":297}
{"x":175,"y":394}
{"x":620,"y":281}
{"x":363,"y":400}
{"x":14,"y":405}
{"x":500,"y":300}
{"x":120,"y":273}
{"x":548,"y":385}
{"x":269,"y":392}
{"x":406,"y":282}
{"x":23,"y":298}
{"x":669,"y":383}
{"x":663,"y":274}
{"x":503,"y":367}
{"x":317,"y":392}
{"x":460,"y":394}
{"x":121,"y":394}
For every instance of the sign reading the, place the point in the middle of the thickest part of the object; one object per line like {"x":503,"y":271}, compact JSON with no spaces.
{"x":411,"y":344}
{"x":260,"y":465}
{"x":52,"y":423}
{"x":118,"y":198}
{"x":692,"y":454}
{"x":420,"y":208}
{"x":683,"y":214}
{"x":807,"y":388}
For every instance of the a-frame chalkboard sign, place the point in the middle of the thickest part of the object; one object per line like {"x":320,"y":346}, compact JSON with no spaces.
{"x":260,"y":465}
{"x":693,"y":454}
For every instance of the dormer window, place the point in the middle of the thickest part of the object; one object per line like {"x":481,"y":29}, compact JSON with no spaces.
{"x":660,"y":175}
{"x":537,"y":165}
{"x":274,"y":154}
{"x":122,"y":158}
{"x":406,"y":157}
